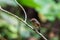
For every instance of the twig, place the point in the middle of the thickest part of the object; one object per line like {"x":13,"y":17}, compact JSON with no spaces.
{"x":23,"y":22}
{"x":15,"y":17}
{"x":23,"y":10}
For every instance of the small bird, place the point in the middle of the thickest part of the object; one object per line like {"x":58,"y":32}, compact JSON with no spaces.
{"x":36,"y":23}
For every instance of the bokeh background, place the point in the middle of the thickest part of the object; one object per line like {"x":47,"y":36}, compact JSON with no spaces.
{"x":44,"y":15}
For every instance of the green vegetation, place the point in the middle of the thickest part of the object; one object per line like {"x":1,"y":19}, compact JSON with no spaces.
{"x":45,"y":12}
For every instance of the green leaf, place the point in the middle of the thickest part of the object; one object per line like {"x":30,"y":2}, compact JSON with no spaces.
{"x":36,"y":4}
{"x":58,"y":16}
{"x":29,"y":3}
{"x":50,"y":17}
{"x":45,"y":7}
{"x":11,"y":35}
{"x":3,"y":23}
{"x":9,"y":19}
{"x":12,"y":29}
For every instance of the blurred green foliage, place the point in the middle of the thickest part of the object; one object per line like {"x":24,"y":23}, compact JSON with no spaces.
{"x":49,"y":8}
{"x":14,"y":28}
{"x":11,"y":25}
{"x":7,"y":2}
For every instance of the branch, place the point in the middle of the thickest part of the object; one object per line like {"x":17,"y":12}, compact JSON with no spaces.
{"x":23,"y":22}
{"x":23,"y":10}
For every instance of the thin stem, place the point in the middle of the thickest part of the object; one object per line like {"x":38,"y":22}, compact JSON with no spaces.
{"x":16,"y":17}
{"x":22,"y":9}
{"x":23,"y":22}
{"x":40,"y":34}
